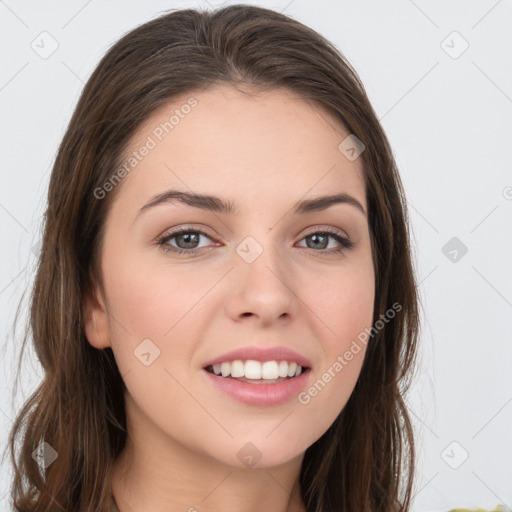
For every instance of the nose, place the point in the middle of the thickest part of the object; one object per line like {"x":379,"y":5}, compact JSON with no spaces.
{"x":262,"y":290}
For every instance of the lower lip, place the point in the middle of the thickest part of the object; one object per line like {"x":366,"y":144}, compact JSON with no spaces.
{"x":261,"y":395}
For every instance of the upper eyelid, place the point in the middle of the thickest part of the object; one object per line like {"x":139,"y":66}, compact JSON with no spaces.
{"x":311,"y":230}
{"x":178,"y":231}
{"x":190,"y":227}
{"x":323,"y":228}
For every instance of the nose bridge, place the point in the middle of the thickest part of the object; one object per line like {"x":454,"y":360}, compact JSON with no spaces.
{"x":260,"y":243}
{"x":262,"y":277}
{"x":262,"y":256}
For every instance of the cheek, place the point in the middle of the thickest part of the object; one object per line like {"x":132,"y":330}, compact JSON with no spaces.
{"x":156,"y":303}
{"x":150,"y":300}
{"x":153,"y":337}
{"x":347,"y":310}
{"x":345,"y":305}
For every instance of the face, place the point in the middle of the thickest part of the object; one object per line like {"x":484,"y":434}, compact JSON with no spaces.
{"x":188,"y":282}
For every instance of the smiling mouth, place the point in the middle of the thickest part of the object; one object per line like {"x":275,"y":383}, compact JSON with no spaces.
{"x":269,"y":378}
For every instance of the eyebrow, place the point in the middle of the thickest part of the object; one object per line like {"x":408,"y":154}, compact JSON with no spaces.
{"x":219,"y":205}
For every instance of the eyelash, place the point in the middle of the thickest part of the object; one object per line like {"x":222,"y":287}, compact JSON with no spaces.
{"x":345,"y":243}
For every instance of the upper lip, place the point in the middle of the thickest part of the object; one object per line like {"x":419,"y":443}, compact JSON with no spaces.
{"x":262,"y":355}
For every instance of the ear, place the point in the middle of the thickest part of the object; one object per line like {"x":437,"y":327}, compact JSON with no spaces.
{"x":95,"y":316}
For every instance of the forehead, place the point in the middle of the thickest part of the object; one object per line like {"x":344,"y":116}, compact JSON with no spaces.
{"x":242,"y":142}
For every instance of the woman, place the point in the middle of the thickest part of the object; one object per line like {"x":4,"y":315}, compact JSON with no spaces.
{"x":225,"y":306}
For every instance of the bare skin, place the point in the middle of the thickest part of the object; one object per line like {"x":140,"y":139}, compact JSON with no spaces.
{"x":265,"y":152}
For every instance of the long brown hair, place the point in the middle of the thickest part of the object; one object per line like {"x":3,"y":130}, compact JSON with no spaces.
{"x":365,"y":460}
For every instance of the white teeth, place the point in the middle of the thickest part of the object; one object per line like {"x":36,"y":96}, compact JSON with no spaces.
{"x":292,"y":367}
{"x":269,"y":370}
{"x":225,"y":369}
{"x":237,"y":369}
{"x":283,"y":369}
{"x":250,"y":369}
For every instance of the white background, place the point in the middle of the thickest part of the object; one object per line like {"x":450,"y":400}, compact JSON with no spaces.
{"x":449,"y":121}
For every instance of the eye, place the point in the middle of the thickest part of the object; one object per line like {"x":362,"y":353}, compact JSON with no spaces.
{"x":187,"y":241}
{"x":320,"y":240}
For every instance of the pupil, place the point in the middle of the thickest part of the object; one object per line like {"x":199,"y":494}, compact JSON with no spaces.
{"x":315,"y":237}
{"x":187,"y":237}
